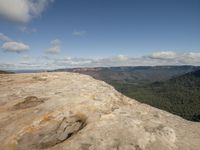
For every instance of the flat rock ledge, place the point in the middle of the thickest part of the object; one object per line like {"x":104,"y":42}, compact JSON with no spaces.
{"x":69,"y":111}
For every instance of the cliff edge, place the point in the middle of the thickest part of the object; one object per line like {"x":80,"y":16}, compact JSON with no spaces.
{"x":70,"y":111}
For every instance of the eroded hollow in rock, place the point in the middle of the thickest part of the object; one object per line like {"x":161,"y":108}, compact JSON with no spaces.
{"x":30,"y":101}
{"x":53,"y":133}
{"x":40,"y":78}
{"x":65,"y":129}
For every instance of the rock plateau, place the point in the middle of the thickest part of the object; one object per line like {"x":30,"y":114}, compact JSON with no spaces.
{"x":69,"y":111}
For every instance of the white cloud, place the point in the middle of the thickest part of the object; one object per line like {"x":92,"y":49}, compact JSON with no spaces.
{"x":22,"y":10}
{"x":55,"y":47}
{"x":192,"y":58}
{"x":4,"y":38}
{"x":55,"y":62}
{"x":25,"y":29}
{"x":79,"y":33}
{"x":164,"y":55}
{"x":53,"y":50}
{"x":56,"y":42}
{"x":120,"y":58}
{"x":11,"y":45}
{"x":17,"y":47}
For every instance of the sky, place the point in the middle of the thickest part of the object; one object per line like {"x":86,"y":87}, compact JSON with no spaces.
{"x":52,"y":34}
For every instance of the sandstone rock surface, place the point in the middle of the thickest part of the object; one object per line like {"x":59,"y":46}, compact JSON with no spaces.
{"x":68,"y":111}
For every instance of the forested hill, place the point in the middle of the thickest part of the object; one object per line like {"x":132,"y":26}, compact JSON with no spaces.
{"x":179,"y":95}
{"x":183,"y":95}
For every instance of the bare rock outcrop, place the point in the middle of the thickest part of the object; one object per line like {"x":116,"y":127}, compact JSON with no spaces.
{"x":69,"y":111}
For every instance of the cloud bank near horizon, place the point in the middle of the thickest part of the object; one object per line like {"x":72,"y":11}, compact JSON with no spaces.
{"x":154,"y":59}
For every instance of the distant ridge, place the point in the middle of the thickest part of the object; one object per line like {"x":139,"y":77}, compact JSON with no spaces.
{"x":6,"y":72}
{"x":135,"y":74}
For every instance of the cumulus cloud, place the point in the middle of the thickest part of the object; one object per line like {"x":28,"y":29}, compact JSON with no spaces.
{"x":79,"y":33}
{"x":4,"y":38}
{"x":56,"y":42}
{"x":11,"y":45}
{"x":55,"y":62}
{"x":17,"y":47}
{"x":164,"y":55}
{"x":192,"y":58}
{"x":25,"y":29}
{"x":53,"y":50}
{"x":22,"y":10}
{"x":55,"y":47}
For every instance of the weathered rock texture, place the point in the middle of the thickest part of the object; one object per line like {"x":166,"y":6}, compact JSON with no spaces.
{"x":69,"y":111}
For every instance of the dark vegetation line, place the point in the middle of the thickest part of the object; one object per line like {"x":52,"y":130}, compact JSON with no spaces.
{"x":180,"y":95}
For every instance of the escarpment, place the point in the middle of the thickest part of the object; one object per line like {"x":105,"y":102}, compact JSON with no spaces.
{"x":70,"y":111}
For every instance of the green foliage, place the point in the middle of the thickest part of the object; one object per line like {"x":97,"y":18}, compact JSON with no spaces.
{"x":180,"y":95}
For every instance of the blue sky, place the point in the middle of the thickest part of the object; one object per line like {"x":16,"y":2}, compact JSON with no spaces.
{"x":83,"y":33}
